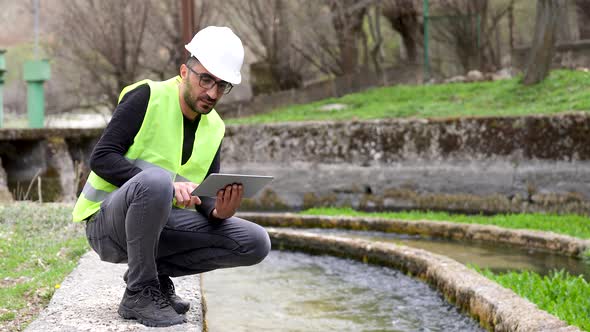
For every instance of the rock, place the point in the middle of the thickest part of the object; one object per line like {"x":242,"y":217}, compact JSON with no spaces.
{"x":5,"y":195}
{"x":475,"y":76}
{"x":333,"y":107}
{"x":61,"y":163}
{"x":502,"y":74}
{"x":584,"y":69}
{"x":456,"y":79}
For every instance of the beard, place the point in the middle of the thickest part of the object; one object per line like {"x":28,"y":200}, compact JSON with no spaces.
{"x":192,"y":101}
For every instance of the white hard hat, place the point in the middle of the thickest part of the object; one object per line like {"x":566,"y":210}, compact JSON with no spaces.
{"x":220,"y":51}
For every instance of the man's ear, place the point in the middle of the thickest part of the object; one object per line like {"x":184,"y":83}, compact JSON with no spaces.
{"x":183,"y":71}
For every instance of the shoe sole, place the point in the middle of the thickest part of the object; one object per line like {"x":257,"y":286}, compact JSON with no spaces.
{"x":127,"y":313}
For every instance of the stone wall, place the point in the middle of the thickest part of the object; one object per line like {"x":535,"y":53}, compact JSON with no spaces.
{"x":491,"y":164}
{"x":59,"y":157}
{"x":536,"y":163}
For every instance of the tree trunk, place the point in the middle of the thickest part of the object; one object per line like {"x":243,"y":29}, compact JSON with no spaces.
{"x":348,"y":25}
{"x":404,"y":18}
{"x":583,"y":10}
{"x":543,"y":47}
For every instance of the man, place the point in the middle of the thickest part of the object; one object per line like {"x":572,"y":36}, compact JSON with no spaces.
{"x":164,"y":139}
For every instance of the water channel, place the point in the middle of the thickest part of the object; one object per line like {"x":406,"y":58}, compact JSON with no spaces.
{"x":292,"y":291}
{"x":496,"y":257}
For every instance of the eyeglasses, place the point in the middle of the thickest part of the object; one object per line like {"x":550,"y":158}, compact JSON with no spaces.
{"x":206,"y":81}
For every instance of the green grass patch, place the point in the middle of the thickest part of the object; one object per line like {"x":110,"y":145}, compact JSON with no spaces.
{"x":39,"y":246}
{"x":563,"y":90}
{"x":558,"y":293}
{"x":573,"y":225}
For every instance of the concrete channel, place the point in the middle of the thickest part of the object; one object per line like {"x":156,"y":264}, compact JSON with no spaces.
{"x":544,"y":241}
{"x":88,"y":298}
{"x":495,"y":307}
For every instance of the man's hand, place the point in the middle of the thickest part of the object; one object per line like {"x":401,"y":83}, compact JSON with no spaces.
{"x":228,"y":201}
{"x":182,"y":193}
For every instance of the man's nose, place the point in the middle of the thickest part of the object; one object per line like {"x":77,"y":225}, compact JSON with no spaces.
{"x":213,"y":92}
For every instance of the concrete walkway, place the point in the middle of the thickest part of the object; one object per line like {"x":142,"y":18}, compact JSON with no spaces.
{"x":89,"y":297}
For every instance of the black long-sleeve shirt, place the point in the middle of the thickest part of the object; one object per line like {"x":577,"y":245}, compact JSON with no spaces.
{"x":108,"y":158}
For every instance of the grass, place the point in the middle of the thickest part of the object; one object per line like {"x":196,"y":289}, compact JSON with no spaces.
{"x":559,"y":293}
{"x":573,"y":225}
{"x":39,"y":246}
{"x":563,"y":90}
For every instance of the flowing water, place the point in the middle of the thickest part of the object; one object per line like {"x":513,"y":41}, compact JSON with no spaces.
{"x":497,"y":257}
{"x":291,"y":291}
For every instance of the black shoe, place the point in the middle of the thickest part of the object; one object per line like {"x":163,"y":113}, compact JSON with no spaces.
{"x":150,"y":308}
{"x":167,"y":288}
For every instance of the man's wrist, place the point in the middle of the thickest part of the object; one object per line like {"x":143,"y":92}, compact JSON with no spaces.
{"x":214,"y":215}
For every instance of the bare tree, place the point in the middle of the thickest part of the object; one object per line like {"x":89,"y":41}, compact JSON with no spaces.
{"x":348,"y":23}
{"x":104,"y":45}
{"x":544,"y":40}
{"x":583,"y":9}
{"x":164,"y":45}
{"x":375,"y":30}
{"x":333,"y":34}
{"x":471,"y":29}
{"x":103,"y":40}
{"x":405,"y":18}
{"x":268,"y":31}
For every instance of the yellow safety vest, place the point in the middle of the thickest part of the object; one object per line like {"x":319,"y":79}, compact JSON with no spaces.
{"x":159,"y":144}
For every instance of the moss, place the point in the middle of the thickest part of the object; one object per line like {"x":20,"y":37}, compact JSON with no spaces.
{"x":268,"y":200}
{"x":422,"y":139}
{"x":494,"y":136}
{"x":371,"y":202}
{"x":311,"y":200}
{"x":459,"y":202}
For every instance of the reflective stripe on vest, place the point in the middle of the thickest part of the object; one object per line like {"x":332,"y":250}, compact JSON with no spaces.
{"x":98,"y":195}
{"x":158,"y":143}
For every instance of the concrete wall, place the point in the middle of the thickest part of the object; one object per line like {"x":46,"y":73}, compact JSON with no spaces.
{"x":536,"y":163}
{"x":60,"y":157}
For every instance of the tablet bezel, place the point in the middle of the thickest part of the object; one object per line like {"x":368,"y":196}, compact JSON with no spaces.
{"x":216,"y":181}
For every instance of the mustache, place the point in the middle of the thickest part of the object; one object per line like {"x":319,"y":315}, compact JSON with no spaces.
{"x":205,"y":97}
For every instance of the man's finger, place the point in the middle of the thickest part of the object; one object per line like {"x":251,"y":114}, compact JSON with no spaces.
{"x":195,"y":200}
{"x":240,"y":194}
{"x":186,"y":197}
{"x":178,"y":196}
{"x":235,"y":196}
{"x":227,"y":194}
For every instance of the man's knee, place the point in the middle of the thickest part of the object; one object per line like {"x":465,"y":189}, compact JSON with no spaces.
{"x":258,"y":246}
{"x":156,"y":182}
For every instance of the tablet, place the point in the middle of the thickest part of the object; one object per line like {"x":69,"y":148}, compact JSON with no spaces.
{"x":216,"y":181}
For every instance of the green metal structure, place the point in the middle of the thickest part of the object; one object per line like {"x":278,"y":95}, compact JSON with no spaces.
{"x":36,"y":72}
{"x":2,"y":72}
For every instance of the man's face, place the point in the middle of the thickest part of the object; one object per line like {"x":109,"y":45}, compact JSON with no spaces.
{"x":200,"y":100}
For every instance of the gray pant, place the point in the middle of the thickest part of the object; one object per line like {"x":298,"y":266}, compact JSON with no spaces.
{"x":136,"y":224}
